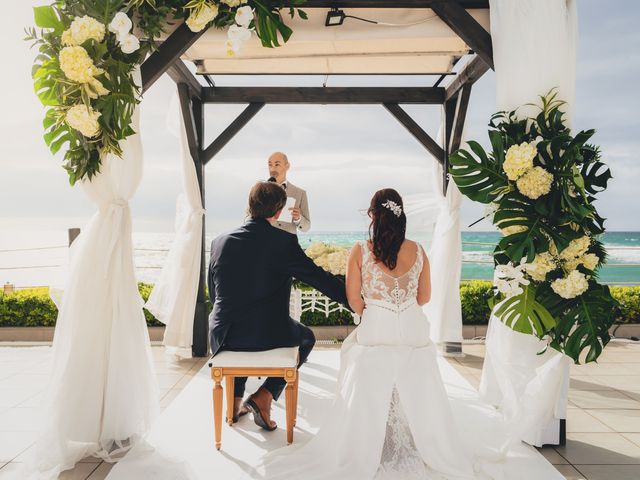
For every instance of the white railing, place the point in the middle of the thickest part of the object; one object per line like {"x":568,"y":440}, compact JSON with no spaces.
{"x":312,"y":301}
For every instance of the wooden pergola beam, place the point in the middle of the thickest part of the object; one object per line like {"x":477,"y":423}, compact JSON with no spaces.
{"x":325,"y":95}
{"x":470,"y":73}
{"x":416,"y":130}
{"x":179,"y":73}
{"x":231,"y":131}
{"x":166,"y":54}
{"x":466,"y":27}
{"x":460,"y":116}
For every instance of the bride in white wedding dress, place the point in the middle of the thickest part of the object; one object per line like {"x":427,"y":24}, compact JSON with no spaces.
{"x":391,"y":418}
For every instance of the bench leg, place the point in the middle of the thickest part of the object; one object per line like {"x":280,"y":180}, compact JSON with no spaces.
{"x":295,"y":399}
{"x":217,"y":407}
{"x":229,"y":383}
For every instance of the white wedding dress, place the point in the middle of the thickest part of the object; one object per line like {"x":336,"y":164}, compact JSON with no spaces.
{"x":391,"y":418}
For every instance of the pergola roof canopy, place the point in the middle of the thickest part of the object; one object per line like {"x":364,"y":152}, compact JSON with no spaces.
{"x":424,"y":44}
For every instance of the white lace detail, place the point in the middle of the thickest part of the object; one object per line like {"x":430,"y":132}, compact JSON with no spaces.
{"x":400,"y":458}
{"x":379,"y":285}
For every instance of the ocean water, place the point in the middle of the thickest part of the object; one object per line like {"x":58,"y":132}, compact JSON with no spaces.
{"x":38,"y":258}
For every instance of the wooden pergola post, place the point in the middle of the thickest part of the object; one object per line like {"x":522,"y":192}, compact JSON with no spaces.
{"x":193,"y":96}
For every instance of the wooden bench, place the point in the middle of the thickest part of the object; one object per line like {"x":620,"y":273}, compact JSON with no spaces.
{"x":279,"y":362}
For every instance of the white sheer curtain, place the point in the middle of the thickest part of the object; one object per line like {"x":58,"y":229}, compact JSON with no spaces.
{"x":445,"y":258}
{"x":173,"y":299}
{"x":534,"y":50}
{"x":102,"y":394}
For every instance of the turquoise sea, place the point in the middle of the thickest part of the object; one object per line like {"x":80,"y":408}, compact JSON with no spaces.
{"x":38,"y":259}
{"x":623,"y":248}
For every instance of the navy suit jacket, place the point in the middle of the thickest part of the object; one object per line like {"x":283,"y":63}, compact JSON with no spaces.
{"x":250,"y":273}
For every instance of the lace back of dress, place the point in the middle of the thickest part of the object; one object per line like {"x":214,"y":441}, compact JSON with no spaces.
{"x":379,"y":285}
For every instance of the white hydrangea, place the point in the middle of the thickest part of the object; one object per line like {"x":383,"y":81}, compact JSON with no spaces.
{"x":576,"y":248}
{"x":519,"y":159}
{"x":590,"y":260}
{"x":83,"y":119}
{"x":571,"y":286}
{"x":542,"y":264}
{"x":330,"y":257}
{"x":200,"y":18}
{"x":83,"y":29}
{"x":535,"y":182}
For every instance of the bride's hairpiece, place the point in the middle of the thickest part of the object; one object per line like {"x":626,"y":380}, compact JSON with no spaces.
{"x":394,"y":207}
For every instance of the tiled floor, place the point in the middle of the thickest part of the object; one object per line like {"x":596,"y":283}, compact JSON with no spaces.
{"x":603,"y":425}
{"x":603,"y":420}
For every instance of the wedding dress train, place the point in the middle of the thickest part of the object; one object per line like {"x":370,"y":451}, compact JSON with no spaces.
{"x":391,"y":418}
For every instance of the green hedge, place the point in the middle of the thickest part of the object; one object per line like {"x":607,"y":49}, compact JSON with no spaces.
{"x":34,"y":308}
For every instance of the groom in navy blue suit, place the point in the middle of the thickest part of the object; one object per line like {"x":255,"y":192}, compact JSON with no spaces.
{"x":250,"y":274}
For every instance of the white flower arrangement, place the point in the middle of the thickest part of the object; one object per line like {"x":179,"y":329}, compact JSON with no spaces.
{"x":509,"y":278}
{"x":542,"y":264}
{"x":83,"y":119}
{"x":83,"y":29}
{"x":535,"y":182}
{"x":571,"y":286}
{"x":330,"y":257}
{"x":200,"y":17}
{"x":121,"y":26}
{"x":519,"y":159}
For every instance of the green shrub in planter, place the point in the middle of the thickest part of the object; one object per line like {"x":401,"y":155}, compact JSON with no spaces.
{"x":474,"y":296}
{"x":629,"y":309}
{"x":28,"y":308}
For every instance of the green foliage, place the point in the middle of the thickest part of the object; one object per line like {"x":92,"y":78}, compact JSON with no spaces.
{"x":83,"y":155}
{"x":561,"y":214}
{"x":33,"y":307}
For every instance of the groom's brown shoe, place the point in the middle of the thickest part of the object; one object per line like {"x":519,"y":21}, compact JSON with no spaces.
{"x":239,"y":410}
{"x":260,"y":405}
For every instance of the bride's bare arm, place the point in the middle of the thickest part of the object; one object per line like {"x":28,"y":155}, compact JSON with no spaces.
{"x":424,"y":282}
{"x":354,"y":280}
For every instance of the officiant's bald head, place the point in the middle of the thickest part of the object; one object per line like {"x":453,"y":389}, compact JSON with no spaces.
{"x":278,"y":166}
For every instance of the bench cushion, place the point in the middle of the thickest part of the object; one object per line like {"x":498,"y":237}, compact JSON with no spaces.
{"x":277,"y":358}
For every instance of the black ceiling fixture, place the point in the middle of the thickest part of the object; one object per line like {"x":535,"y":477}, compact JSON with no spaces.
{"x":335,"y":17}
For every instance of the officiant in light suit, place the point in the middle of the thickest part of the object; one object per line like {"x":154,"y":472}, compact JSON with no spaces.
{"x":278,"y":167}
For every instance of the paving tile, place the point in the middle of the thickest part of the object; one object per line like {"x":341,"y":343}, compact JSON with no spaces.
{"x":629,"y":383}
{"x":12,"y":444}
{"x":619,"y":420}
{"x":80,"y":472}
{"x":580,"y":421}
{"x":20,"y":419}
{"x":569,"y":472}
{"x":610,"y":472}
{"x":168,"y":380}
{"x":599,"y":449}
{"x":586,"y":382}
{"x":12,"y":397}
{"x":552,"y":456}
{"x":12,"y":471}
{"x":25,"y":381}
{"x":101,"y":472}
{"x":592,"y":399}
{"x":634,"y":437}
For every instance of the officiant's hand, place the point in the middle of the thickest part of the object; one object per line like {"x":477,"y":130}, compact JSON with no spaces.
{"x":295,"y":214}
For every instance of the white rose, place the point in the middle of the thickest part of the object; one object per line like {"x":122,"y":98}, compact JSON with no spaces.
{"x":199,"y":18}
{"x":244,"y":15}
{"x":129,"y":43}
{"x":120,"y":25}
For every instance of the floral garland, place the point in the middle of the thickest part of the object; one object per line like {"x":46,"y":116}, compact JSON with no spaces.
{"x":540,"y":183}
{"x":89,"y":49}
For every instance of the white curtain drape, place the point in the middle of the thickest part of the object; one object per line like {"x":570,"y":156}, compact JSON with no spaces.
{"x":173,"y":299}
{"x":534,"y":50}
{"x":444,"y":310}
{"x":102,"y":394}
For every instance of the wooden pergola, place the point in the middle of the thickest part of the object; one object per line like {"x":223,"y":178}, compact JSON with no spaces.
{"x":454,"y":97}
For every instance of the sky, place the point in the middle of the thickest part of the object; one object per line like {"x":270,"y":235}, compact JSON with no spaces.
{"x":340,"y":154}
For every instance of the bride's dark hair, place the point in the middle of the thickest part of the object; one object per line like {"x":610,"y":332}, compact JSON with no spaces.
{"x":387,"y":230}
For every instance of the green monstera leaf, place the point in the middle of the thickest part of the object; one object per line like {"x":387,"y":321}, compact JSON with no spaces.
{"x":481,"y":179}
{"x":524,"y":314}
{"x":584,"y":322}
